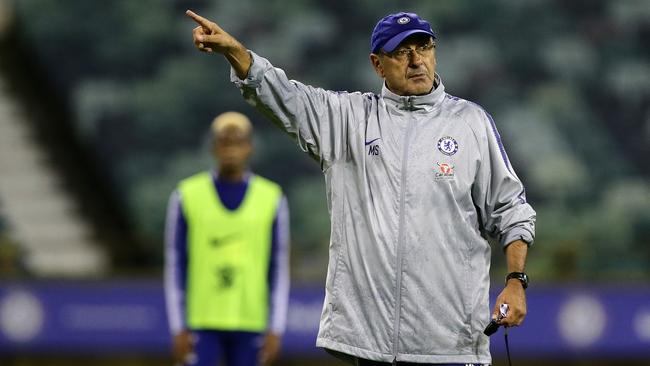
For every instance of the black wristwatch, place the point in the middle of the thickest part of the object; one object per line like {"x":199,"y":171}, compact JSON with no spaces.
{"x":521,"y":276}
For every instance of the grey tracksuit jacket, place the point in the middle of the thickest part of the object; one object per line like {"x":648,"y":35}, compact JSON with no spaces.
{"x":414,"y":184}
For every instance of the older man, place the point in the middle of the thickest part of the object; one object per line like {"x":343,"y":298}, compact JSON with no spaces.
{"x":416,"y":181}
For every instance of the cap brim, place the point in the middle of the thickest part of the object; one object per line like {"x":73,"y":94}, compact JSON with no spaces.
{"x":392,"y":43}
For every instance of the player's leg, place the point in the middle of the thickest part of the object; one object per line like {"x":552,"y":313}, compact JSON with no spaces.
{"x":208,"y":348}
{"x":242,"y":348}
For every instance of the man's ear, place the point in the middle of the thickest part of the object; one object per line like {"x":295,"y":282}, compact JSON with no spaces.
{"x":376,"y":64}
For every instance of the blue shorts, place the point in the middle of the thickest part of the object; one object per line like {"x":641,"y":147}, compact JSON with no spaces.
{"x":232,"y":347}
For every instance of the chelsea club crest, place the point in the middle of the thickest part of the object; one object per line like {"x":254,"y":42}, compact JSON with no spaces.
{"x":447,"y":145}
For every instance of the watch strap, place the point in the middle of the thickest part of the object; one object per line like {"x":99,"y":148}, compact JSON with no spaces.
{"x":521,"y":276}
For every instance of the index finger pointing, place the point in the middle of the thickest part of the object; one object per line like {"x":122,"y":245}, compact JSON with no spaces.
{"x":199,"y":19}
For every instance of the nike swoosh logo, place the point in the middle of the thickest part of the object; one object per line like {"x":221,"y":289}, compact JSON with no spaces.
{"x":223,"y":240}
{"x":371,"y":141}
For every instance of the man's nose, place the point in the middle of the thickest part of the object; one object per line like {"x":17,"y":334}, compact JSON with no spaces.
{"x":415,"y":59}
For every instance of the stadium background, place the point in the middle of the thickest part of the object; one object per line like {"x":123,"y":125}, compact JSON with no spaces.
{"x":104,"y":106}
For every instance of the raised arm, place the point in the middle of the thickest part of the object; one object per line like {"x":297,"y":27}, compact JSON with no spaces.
{"x":210,"y":38}
{"x":318,"y":120}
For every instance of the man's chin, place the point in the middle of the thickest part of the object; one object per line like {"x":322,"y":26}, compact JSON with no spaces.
{"x":421,"y":91}
{"x":421,"y":87}
{"x":229,"y":169}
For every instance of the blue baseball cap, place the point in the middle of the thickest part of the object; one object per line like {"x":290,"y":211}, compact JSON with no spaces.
{"x":392,"y":29}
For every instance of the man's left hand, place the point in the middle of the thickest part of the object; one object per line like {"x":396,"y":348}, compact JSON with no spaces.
{"x":515,"y":296}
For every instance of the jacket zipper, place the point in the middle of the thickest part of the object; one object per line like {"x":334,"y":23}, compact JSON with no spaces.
{"x":408,"y":104}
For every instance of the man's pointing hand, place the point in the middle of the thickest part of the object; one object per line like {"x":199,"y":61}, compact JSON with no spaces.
{"x":210,"y":38}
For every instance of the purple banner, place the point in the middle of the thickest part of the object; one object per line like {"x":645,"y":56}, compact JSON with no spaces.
{"x":129,"y":316}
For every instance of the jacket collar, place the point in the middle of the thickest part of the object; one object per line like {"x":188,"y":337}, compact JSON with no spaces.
{"x":413,"y":102}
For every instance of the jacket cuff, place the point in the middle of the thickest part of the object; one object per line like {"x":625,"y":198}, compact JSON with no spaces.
{"x":516,"y":233}
{"x":255,"y":73}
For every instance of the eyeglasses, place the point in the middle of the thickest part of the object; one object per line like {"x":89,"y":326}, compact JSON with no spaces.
{"x":402,"y":54}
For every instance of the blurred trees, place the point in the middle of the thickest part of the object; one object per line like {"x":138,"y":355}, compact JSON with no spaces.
{"x":568,"y":84}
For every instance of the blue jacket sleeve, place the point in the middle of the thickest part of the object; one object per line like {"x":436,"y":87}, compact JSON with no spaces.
{"x":175,"y":271}
{"x":279,"y":270}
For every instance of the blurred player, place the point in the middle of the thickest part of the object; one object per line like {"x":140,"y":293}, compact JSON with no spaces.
{"x":226,"y":258}
{"x":416,"y":180}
